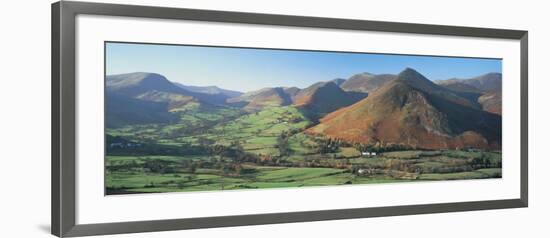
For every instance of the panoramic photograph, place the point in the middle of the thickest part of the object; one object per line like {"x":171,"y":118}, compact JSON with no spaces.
{"x":181,"y":118}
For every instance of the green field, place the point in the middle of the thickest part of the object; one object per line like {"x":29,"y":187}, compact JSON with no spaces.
{"x":225,"y":148}
{"x":131,"y":174}
{"x":259,"y":177}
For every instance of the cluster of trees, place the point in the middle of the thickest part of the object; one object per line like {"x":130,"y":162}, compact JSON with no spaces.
{"x":157,"y":166}
{"x":447,"y":169}
{"x":201,"y":128}
{"x":160,"y":166}
{"x":327,"y":145}
{"x":332,"y":145}
{"x":123,"y":166}
{"x":156,"y":149}
{"x":311,"y":163}
{"x":380,"y":147}
{"x":449,"y":165}
{"x":282,"y":144}
{"x":151,"y":148}
{"x":227,"y":167}
{"x":485,"y":161}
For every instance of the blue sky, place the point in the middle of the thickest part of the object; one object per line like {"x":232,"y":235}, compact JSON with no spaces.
{"x":251,"y":69}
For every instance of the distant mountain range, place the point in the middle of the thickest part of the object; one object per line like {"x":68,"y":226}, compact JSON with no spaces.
{"x":140,"y":97}
{"x":366,"y":82}
{"x":211,"y":90}
{"x":255,"y":100}
{"x":485,"y":89}
{"x":316,"y":100}
{"x":487,"y":82}
{"x":405,"y":109}
{"x":156,"y":88}
{"x":413,"y":111}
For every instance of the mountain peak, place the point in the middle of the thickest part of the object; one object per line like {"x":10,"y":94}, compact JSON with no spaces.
{"x":492,"y":74}
{"x":328,"y":84}
{"x":324,"y":97}
{"x":367,"y":74}
{"x":136,"y":76}
{"x":409,"y":73}
{"x":414,"y":79}
{"x":318,"y":86}
{"x":338,"y":81}
{"x":145,"y":74}
{"x":142,"y":80}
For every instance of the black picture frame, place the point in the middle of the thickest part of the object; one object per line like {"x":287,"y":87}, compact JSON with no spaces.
{"x":63,"y":117}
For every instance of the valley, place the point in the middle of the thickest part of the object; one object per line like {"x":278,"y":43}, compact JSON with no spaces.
{"x":163,"y":137}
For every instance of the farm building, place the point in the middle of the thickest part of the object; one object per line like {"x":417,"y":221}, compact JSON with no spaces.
{"x":367,"y":153}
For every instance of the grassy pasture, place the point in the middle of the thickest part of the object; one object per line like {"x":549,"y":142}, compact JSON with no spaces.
{"x":205,"y":179}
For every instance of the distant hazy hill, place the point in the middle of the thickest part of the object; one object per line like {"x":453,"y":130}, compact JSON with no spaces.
{"x":140,"y":97}
{"x":138,"y":84}
{"x":485,"y":89}
{"x":459,"y":86}
{"x":487,"y":82}
{"x":291,"y":91}
{"x":324,"y":97}
{"x":211,"y":90}
{"x":255,"y":100}
{"x":366,"y":82}
{"x":413,"y":111}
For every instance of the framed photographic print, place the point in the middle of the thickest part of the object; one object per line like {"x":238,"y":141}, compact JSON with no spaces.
{"x":167,"y":119}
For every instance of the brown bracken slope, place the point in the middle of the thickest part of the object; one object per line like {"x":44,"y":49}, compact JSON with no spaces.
{"x":491,"y":102}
